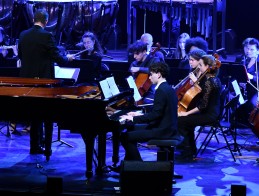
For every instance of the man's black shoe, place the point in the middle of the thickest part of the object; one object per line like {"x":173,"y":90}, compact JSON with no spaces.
{"x":116,"y":169}
{"x":37,"y":151}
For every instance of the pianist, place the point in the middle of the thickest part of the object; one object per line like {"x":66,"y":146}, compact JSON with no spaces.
{"x":160,"y":123}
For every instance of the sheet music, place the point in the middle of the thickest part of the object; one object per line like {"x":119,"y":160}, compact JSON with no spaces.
{"x":113,"y":86}
{"x":238,"y":91}
{"x":109,"y":87}
{"x":66,"y":72}
{"x":133,"y":85}
{"x":105,"y":89}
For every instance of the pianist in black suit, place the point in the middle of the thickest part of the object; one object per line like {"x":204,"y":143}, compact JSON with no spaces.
{"x":160,"y":122}
{"x":38,"y":51}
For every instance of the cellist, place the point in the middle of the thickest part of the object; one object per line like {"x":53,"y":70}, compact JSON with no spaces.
{"x":141,"y":65}
{"x":182,"y":87}
{"x":207,"y":109}
{"x":251,"y":60}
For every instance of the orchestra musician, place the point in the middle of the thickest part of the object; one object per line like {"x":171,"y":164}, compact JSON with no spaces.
{"x":38,"y":51}
{"x":6,"y":51}
{"x":90,"y":48}
{"x":159,"y":123}
{"x":148,"y":38}
{"x":90,"y":45}
{"x":207,"y":109}
{"x":190,"y":44}
{"x":141,"y":65}
{"x":251,"y":61}
{"x":194,"y":57}
{"x":180,"y":52}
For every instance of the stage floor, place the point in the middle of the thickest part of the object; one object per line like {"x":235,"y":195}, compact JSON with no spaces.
{"x":211,"y":173}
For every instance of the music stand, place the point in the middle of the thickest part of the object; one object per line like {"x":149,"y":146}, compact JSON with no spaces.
{"x":232,"y":105}
{"x":89,"y":70}
{"x":233,"y":71}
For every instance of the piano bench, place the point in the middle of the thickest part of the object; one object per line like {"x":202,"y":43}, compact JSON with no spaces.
{"x":165,"y":152}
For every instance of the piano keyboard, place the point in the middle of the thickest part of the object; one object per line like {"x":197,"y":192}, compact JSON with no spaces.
{"x":116,"y":115}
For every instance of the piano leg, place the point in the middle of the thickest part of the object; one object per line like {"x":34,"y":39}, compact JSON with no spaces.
{"x":101,"y":166}
{"x":89,"y":146}
{"x":48,"y":139}
{"x":116,"y":146}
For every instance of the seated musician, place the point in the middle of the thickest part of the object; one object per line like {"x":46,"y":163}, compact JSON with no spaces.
{"x":190,"y":44}
{"x":250,"y":60}
{"x":91,"y":49}
{"x":207,"y":109}
{"x":194,"y":57}
{"x":160,"y":123}
{"x":141,"y":65}
{"x":6,"y":51}
{"x":180,"y":52}
{"x":148,"y":39}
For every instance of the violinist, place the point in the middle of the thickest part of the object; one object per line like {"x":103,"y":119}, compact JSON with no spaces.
{"x":207,"y":109}
{"x":141,"y":65}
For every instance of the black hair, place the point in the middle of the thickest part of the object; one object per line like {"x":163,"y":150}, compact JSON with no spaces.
{"x":41,"y":15}
{"x":198,"y":42}
{"x":196,"y":53}
{"x":137,"y":47}
{"x":93,"y":37}
{"x":253,"y":41}
{"x":160,"y":67}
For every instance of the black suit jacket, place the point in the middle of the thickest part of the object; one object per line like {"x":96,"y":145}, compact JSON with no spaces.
{"x":162,"y":120}
{"x":38,"y":51}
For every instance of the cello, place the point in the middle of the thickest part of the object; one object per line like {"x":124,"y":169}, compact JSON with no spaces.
{"x":189,"y":93}
{"x":142,"y":80}
{"x":254,"y":115}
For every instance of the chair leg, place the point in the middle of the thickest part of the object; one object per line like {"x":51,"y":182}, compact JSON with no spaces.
{"x":205,"y":142}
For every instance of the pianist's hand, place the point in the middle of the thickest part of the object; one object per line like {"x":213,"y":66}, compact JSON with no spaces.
{"x":126,"y":117}
{"x":137,"y":113}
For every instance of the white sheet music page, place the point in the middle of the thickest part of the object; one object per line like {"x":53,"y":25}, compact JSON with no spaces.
{"x":238,"y":91}
{"x":66,"y":72}
{"x":133,"y":85}
{"x":105,"y":89}
{"x":113,"y":86}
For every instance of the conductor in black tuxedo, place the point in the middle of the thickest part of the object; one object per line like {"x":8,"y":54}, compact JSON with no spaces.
{"x":159,"y":123}
{"x":38,"y":52}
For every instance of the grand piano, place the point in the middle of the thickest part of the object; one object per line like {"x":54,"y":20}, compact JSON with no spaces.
{"x":66,"y":106}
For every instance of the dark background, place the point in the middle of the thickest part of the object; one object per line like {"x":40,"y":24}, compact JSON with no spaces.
{"x":242,"y":19}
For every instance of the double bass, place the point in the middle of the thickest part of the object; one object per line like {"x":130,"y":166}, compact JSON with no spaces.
{"x":189,"y":92}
